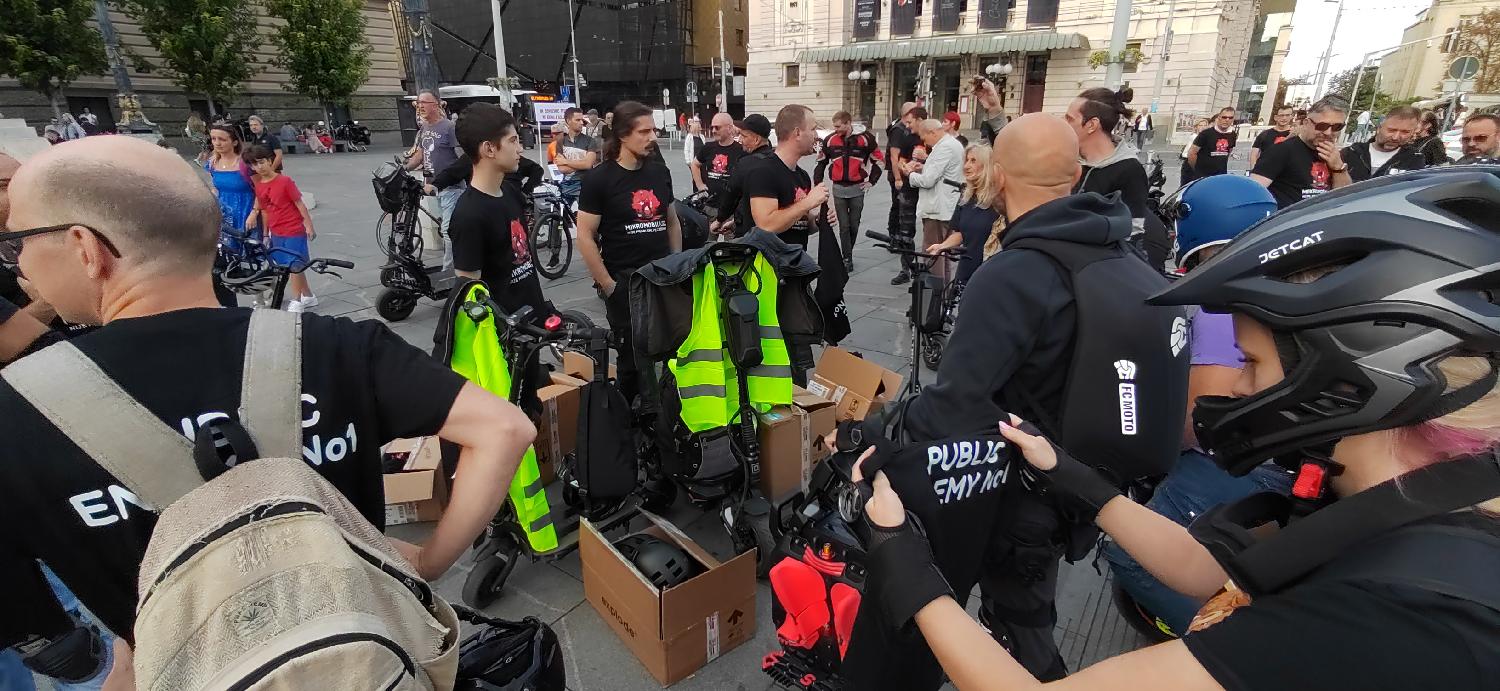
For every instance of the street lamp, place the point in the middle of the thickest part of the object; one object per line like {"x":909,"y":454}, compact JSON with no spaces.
{"x":1365,"y":61}
{"x":1328,"y":52}
{"x":859,"y":75}
{"x":998,"y":69}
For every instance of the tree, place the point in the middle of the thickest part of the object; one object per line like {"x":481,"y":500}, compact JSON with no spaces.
{"x":205,"y":45}
{"x":1370,"y":97}
{"x":1480,"y":37}
{"x":45,"y":45}
{"x":1284,"y":83}
{"x":322,"y":47}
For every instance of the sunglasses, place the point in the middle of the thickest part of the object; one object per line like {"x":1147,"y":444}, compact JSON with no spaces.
{"x":1326,"y":126}
{"x":11,"y":241}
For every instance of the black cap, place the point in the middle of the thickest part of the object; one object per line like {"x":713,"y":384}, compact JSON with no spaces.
{"x":756,"y":123}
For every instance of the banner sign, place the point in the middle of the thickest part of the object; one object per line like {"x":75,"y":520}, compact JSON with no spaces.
{"x":903,"y":17}
{"x":548,"y":113}
{"x":866,"y":19}
{"x":945,"y":18}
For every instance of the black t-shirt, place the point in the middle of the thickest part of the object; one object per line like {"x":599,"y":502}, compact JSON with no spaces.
{"x":1213,"y":151}
{"x":362,"y":387}
{"x":735,"y":200}
{"x":786,"y":186}
{"x":489,"y":237}
{"x":1269,"y":138}
{"x":1356,"y":635}
{"x":1295,"y":171}
{"x":632,"y":208}
{"x":717,"y":162}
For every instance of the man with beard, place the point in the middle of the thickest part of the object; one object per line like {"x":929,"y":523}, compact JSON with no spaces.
{"x":734,"y":208}
{"x":1388,"y":151}
{"x":1309,"y":163}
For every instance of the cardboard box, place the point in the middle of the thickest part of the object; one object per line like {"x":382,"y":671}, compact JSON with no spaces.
{"x":581,"y":366}
{"x":673,"y":632}
{"x":557,"y":431}
{"x":856,"y":386}
{"x":790,"y":443}
{"x":418,"y":492}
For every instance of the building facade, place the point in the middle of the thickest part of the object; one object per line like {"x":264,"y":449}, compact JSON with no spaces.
{"x":1418,"y":70}
{"x":869,"y":56}
{"x":374,"y":104}
{"x":626,"y":50}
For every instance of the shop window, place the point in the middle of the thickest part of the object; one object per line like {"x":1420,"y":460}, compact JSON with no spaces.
{"x":793,"y":76}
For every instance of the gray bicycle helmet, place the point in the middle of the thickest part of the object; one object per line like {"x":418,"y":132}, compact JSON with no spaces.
{"x":661,"y":562}
{"x":1410,"y":275}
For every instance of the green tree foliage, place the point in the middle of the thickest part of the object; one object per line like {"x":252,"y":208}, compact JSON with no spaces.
{"x":45,"y":45}
{"x":322,"y":47}
{"x":205,"y":45}
{"x":1370,"y":97}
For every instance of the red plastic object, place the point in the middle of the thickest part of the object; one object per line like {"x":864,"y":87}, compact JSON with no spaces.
{"x":552,"y":323}
{"x":803,"y":595}
{"x":1309,"y":484}
{"x":845,"y":607}
{"x":832,"y":568}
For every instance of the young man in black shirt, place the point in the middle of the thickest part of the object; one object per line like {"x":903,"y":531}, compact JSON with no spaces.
{"x":734,"y":209}
{"x":627,"y":203}
{"x":896,"y":135}
{"x":99,"y":250}
{"x":1280,"y":131}
{"x":1209,"y":154}
{"x":904,"y":197}
{"x":487,"y":230}
{"x":784,"y":200}
{"x":1309,"y":163}
{"x":714,"y":162}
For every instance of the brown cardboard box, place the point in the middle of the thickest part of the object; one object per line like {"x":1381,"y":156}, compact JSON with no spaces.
{"x":582,"y":366}
{"x":789,"y":443}
{"x":856,"y":386}
{"x":677,"y":631}
{"x":557,"y":431}
{"x":419,"y":491}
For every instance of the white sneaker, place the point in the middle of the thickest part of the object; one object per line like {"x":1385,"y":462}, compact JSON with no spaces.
{"x":309,"y":301}
{"x":294,"y":306}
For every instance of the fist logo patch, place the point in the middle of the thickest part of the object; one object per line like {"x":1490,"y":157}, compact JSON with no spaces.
{"x":647,"y":207}
{"x":1179,"y":335}
{"x":518,"y":244}
{"x":1221,"y":145}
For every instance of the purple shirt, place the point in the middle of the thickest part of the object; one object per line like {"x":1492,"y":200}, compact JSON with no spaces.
{"x":1213,"y":341}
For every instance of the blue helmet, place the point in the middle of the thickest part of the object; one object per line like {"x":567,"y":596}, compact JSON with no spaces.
{"x":1213,"y":210}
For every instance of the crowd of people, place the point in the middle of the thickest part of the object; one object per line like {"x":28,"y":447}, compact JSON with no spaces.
{"x":1295,"y":362}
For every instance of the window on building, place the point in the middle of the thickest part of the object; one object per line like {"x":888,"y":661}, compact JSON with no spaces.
{"x":1133,"y":48}
{"x":739,"y":37}
{"x":793,"y":77}
{"x":1041,"y":12}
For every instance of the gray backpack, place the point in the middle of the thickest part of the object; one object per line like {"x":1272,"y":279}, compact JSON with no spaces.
{"x":264,"y":577}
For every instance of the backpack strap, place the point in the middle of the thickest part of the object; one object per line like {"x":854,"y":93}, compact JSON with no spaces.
{"x":108,"y":424}
{"x":271,"y":383}
{"x":1454,"y":561}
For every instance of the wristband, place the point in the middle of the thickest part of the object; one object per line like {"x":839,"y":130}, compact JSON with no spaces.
{"x":903,"y":578}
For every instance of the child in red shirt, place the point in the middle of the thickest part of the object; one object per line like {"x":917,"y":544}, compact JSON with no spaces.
{"x":288,"y":224}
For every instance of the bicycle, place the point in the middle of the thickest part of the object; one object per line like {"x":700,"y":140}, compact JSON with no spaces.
{"x":407,"y":277}
{"x":552,"y":227}
{"x":931,"y":305}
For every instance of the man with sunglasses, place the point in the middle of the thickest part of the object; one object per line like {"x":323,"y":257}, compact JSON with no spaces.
{"x":1209,"y":153}
{"x":1309,"y":163}
{"x":1481,"y":138}
{"x":102,"y":251}
{"x":714,"y":162}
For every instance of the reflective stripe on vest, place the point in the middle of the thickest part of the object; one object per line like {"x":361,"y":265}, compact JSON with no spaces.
{"x":477,"y":356}
{"x":707,"y":385}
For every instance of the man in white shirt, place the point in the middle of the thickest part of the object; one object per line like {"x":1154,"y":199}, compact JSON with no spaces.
{"x":938,"y":181}
{"x":1388,"y":151}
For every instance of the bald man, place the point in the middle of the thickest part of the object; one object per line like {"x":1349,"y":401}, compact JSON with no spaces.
{"x":1011,"y":351}
{"x":122,"y":233}
{"x":714,"y":162}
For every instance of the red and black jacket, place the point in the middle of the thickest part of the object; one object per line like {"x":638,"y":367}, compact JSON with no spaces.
{"x":849,"y":160}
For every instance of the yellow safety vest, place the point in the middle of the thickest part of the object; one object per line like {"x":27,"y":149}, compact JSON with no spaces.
{"x":707,"y":384}
{"x":477,"y":356}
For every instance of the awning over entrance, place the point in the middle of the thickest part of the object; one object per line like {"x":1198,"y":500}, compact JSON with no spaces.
{"x":944,"y":46}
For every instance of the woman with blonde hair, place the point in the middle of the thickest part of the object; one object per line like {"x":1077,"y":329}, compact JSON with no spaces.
{"x":1371,"y":369}
{"x":978,"y":220}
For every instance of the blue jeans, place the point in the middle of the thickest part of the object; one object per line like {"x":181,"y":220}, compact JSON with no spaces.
{"x":447,"y":201}
{"x":1195,"y":485}
{"x":15,"y":676}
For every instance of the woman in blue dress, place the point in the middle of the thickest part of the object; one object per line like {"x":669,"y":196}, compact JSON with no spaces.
{"x":231,"y":181}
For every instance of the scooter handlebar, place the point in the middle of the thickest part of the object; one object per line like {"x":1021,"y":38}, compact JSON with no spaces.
{"x":878,"y":236}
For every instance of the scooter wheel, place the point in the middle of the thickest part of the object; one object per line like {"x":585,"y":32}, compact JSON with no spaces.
{"x":751,"y":532}
{"x":394,"y":305}
{"x":932,"y":349}
{"x":658,"y":495}
{"x":484,"y":584}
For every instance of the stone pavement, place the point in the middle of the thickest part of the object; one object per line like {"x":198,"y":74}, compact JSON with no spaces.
{"x":345,"y":217}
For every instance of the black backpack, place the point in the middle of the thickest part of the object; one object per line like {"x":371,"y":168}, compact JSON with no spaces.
{"x":1126,"y":389}
{"x":509,"y":655}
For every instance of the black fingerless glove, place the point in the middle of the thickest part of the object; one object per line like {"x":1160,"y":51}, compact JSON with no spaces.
{"x":1080,"y":490}
{"x":903,"y":578}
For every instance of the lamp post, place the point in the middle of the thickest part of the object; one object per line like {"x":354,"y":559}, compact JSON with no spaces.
{"x":1328,"y":52}
{"x":1365,"y":61}
{"x":132,"y":118}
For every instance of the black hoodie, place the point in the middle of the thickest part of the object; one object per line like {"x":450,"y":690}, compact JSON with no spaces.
{"x":1016,"y":324}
